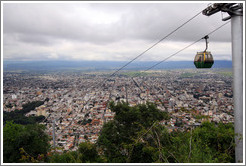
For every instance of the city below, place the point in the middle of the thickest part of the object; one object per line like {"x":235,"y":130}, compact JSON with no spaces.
{"x":77,"y":103}
{"x":111,"y":83}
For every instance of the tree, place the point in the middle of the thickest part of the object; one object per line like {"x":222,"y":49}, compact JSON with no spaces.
{"x":215,"y":143}
{"x":66,"y":157}
{"x":209,"y":143}
{"x":118,"y":137}
{"x":30,"y":138}
{"x":87,"y":153}
{"x":136,"y":136}
{"x":18,"y":116}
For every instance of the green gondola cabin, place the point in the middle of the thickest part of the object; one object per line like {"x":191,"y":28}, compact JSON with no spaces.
{"x":203,"y":60}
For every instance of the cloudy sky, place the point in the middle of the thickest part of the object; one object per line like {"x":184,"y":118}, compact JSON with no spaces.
{"x":109,"y":31}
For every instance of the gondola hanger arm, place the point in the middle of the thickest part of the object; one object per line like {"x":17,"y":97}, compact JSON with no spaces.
{"x":206,"y":39}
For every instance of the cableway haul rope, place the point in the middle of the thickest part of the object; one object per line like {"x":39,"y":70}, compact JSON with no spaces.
{"x":152,"y":46}
{"x":174,"y":55}
{"x":100,"y":83}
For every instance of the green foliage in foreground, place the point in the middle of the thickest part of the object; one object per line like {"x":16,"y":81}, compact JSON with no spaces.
{"x":21,"y":142}
{"x":119,"y":136}
{"x":208,"y":143}
{"x":87,"y":153}
{"x":134,"y":136}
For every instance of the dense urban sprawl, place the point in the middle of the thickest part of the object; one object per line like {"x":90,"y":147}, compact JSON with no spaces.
{"x":78,"y":102}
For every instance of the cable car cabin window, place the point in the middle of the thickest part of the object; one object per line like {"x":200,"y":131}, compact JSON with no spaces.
{"x":210,"y":58}
{"x":198,"y":57}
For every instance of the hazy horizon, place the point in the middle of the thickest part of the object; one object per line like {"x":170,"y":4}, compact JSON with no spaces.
{"x":103,"y":65}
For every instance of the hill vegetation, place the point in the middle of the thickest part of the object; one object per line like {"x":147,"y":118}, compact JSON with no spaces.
{"x":136,"y":136}
{"x":24,"y":143}
{"x":18,"y":116}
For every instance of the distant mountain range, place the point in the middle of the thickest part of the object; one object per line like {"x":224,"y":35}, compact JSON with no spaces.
{"x":101,"y":65}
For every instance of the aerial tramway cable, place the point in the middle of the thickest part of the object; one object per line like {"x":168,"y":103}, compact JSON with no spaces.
{"x":168,"y":58}
{"x":161,"y":41}
{"x":153,"y":45}
{"x":186,"y":47}
{"x":143,"y":82}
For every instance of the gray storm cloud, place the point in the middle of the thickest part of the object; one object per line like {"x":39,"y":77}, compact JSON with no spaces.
{"x":105,"y":31}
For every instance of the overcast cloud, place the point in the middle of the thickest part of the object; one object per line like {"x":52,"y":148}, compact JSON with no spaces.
{"x":108,"y":31}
